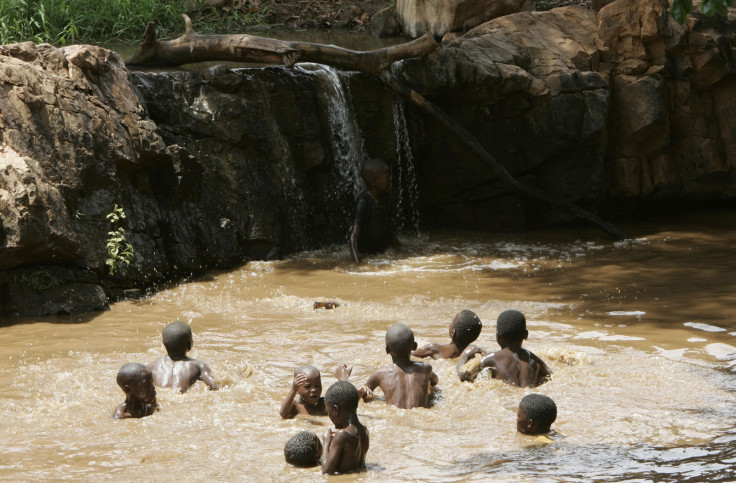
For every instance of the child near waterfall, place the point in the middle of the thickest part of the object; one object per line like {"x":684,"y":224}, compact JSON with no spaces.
{"x":405,"y":383}
{"x":372,"y":232}
{"x":464,"y":329}
{"x":512,"y":364}
{"x":176,"y":370}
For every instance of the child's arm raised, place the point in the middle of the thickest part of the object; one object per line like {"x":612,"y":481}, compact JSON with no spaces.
{"x":288,"y":410}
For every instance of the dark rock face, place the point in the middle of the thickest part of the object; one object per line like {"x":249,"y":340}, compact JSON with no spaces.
{"x":211,"y":168}
{"x":616,"y":111}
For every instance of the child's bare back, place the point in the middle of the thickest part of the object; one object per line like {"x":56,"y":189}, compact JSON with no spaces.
{"x":176,"y":370}
{"x":180,"y":374}
{"x":515,"y":366}
{"x":512,"y":364}
{"x":405,"y":383}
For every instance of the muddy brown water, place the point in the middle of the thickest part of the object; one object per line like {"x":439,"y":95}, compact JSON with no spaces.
{"x":641,"y":336}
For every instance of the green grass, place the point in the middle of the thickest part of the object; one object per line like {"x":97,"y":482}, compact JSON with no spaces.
{"x":64,"y":22}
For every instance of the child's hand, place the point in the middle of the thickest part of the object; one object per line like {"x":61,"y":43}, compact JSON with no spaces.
{"x":473,"y":350}
{"x":342,"y":373}
{"x":299,"y":381}
{"x":365,"y":393}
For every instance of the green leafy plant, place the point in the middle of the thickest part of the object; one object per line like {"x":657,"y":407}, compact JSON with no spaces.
{"x":38,"y":281}
{"x":682,"y":8}
{"x":119,"y":250}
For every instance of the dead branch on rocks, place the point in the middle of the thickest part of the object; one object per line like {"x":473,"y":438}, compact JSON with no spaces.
{"x":193,"y":47}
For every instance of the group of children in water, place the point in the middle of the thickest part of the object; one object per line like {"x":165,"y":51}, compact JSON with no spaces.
{"x":406,"y":384}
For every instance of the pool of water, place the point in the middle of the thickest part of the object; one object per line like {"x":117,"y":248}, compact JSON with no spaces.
{"x":641,"y":336}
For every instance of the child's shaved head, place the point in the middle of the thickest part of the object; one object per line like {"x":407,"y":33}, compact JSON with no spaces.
{"x":307,"y":370}
{"x":373,"y":167}
{"x":177,"y":338}
{"x":131,"y":373}
{"x":400,"y":339}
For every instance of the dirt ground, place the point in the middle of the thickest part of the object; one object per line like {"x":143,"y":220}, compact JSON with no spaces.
{"x":351,"y":14}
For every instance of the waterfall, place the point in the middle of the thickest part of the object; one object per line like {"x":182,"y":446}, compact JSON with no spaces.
{"x":406,"y":217}
{"x":349,"y":151}
{"x":347,"y":140}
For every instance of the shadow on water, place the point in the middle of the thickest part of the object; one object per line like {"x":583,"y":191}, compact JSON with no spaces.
{"x":52,"y":319}
{"x":654,"y":277}
{"x":559,"y":461}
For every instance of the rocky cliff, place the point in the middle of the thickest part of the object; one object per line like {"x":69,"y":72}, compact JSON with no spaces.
{"x":613,"y":110}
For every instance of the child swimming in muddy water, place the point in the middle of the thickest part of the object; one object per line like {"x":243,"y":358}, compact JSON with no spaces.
{"x":371,"y":231}
{"x":405,"y":383}
{"x":136,"y":381}
{"x":464,"y":329}
{"x":344,"y":449}
{"x":176,"y":370}
{"x":536,"y":414}
{"x":308,"y":385}
{"x":512,"y":364}
{"x":303,"y":450}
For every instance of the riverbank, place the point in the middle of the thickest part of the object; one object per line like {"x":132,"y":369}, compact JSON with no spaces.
{"x":105,"y":21}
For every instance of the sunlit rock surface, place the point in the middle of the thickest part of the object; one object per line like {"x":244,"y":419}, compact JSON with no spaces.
{"x":439,"y":17}
{"x":619,"y":111}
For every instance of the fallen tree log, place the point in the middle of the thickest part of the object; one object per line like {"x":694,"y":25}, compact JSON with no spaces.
{"x":193,"y":47}
{"x":497,"y":167}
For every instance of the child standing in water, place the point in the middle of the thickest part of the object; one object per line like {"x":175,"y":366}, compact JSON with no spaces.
{"x":512,"y":364}
{"x":346,"y":446}
{"x":308,"y":385}
{"x":464,"y":329}
{"x":405,"y":383}
{"x":372,"y":232}
{"x":176,"y":370}
{"x":136,"y":382}
{"x":536,"y":414}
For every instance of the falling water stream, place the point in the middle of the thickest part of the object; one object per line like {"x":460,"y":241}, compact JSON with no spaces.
{"x":641,"y":336}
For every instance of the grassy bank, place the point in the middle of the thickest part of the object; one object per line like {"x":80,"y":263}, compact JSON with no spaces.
{"x":63,"y":22}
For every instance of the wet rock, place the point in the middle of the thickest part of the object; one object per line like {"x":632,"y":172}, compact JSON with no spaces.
{"x":50,"y":290}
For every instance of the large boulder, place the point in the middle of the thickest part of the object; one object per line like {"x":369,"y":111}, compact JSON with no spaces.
{"x":438,"y":17}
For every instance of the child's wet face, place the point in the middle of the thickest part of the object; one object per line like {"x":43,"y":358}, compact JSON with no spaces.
{"x":524,"y":424}
{"x":143,"y":389}
{"x":311,"y":391}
